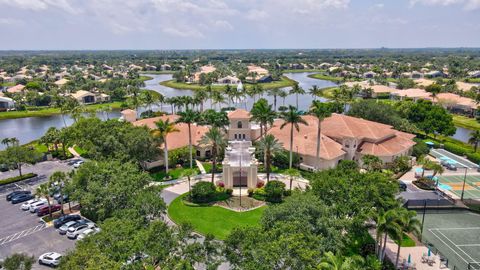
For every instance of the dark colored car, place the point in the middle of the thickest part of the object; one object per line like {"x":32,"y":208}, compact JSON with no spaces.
{"x":58,"y":197}
{"x":64,"y":219}
{"x":45,"y":210}
{"x":402,"y":186}
{"x":22,"y":198}
{"x":451,"y":167}
{"x":16,"y":193}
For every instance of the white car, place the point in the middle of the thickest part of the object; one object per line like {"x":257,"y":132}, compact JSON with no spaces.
{"x":34,"y":206}
{"x":51,"y":259}
{"x":78,"y":164}
{"x":64,"y":228}
{"x":26,"y":205}
{"x":74,"y":231}
{"x":87,"y":233}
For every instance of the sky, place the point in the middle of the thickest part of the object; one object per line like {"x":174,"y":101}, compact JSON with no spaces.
{"x":237,"y":24}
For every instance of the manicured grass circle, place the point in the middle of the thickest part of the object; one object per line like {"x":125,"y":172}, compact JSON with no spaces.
{"x":215,"y":220}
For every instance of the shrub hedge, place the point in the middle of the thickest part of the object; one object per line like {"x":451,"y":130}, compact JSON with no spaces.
{"x":17,"y":178}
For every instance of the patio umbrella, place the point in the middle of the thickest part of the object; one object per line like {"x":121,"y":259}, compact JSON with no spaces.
{"x":429,"y":252}
{"x":409,"y":258}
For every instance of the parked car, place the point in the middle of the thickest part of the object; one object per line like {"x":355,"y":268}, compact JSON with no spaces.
{"x":45,"y":210}
{"x":26,"y":205}
{"x":34,"y":206}
{"x":57,"y":197}
{"x":57,"y":223}
{"x":77,"y":164}
{"x":64,"y":228}
{"x":16,"y":193}
{"x":451,"y":167}
{"x":22,"y":198}
{"x":74,"y":231}
{"x":88,"y":232}
{"x":402,"y":186}
{"x":51,"y":259}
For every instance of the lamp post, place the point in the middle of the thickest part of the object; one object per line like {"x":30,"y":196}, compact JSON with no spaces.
{"x":241,"y":148}
{"x":464,"y":180}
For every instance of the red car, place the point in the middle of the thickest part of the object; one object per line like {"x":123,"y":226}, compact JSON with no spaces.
{"x":44,"y":210}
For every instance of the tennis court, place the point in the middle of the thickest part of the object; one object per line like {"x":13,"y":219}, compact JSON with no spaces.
{"x":455,"y":234}
{"x":458,"y":161}
{"x":454,"y":184}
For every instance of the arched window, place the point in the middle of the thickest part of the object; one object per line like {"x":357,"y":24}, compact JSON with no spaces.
{"x":239,"y":124}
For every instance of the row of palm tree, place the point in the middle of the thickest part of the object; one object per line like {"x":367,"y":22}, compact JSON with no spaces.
{"x":60,"y":180}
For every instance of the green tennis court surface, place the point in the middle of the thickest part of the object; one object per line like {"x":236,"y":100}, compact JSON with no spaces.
{"x":455,"y":234}
{"x":454,"y":184}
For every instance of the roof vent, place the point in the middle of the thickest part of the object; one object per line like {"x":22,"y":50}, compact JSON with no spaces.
{"x":305,"y":136}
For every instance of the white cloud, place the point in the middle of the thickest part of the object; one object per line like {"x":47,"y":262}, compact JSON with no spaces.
{"x":183,"y":33}
{"x":39,"y":5}
{"x":9,"y":21}
{"x":257,"y":15}
{"x":467,"y":4}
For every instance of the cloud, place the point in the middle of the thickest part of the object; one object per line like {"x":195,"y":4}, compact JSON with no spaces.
{"x":183,"y":33}
{"x":39,"y":5}
{"x":9,"y":21}
{"x":467,"y":4}
{"x":256,"y":15}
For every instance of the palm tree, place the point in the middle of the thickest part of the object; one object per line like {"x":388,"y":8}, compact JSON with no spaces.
{"x":263,"y":114}
{"x":217,"y":98}
{"x":188,"y":117}
{"x":293,"y":174}
{"x":408,"y":224}
{"x":163,"y":129}
{"x":387,"y":226}
{"x":283,"y":94}
{"x":43,"y":190}
{"x":437,"y":169}
{"x":331,"y":261}
{"x":10,"y":141}
{"x":214,"y":137}
{"x":189,"y":173}
{"x":269,"y":145}
{"x":59,"y":179}
{"x":209,"y":91}
{"x":314,"y":92}
{"x":297,"y":90}
{"x":293,"y":118}
{"x":274,"y":93}
{"x":474,"y":139}
{"x":148,"y":99}
{"x":321,"y":111}
{"x":201,"y":95}
{"x":229,"y":92}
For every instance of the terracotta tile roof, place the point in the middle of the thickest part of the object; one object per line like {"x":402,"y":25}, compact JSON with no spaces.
{"x":412,"y":93}
{"x":463,"y":86}
{"x":16,"y":89}
{"x":239,"y":114}
{"x":382,"y":89}
{"x":306,"y":140}
{"x":176,"y":139}
{"x":393,"y":146}
{"x":453,"y":99}
{"x":341,"y":126}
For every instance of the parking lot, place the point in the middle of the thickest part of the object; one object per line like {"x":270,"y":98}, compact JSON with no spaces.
{"x":21,"y":231}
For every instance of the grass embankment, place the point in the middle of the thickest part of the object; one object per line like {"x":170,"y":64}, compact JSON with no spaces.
{"x":407,"y":241}
{"x":213,"y":220}
{"x":299,"y":70}
{"x":157,"y":72}
{"x":473,"y":80}
{"x":320,"y":76}
{"x":17,"y":178}
{"x":42,"y":112}
{"x":283,"y":82}
{"x":466,"y":122}
{"x":7,"y":84}
{"x":145,"y":78}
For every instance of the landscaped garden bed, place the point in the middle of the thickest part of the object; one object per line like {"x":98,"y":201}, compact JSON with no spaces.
{"x":17,"y":178}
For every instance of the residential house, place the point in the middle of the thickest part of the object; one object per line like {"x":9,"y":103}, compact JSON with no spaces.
{"x":228,"y":80}
{"x":6,"y":103}
{"x":456,"y":103}
{"x":16,"y":89}
{"x":86,"y":97}
{"x":412,"y":93}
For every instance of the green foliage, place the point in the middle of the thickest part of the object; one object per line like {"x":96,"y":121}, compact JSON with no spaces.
{"x":203,"y":192}
{"x":18,"y":261}
{"x":16,"y":156}
{"x":420,"y":149}
{"x":178,"y":156}
{"x":456,"y":149}
{"x":274,"y":191}
{"x":404,"y":83}
{"x":17,"y":178}
{"x":105,"y":188}
{"x":474,"y":157}
{"x":281,"y":159}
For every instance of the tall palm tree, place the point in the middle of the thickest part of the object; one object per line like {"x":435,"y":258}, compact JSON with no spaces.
{"x":263,"y":114}
{"x":321,"y":111}
{"x":209,"y":92}
{"x":474,"y":139}
{"x":314,"y":91}
{"x":217,"y":98}
{"x":59,"y":178}
{"x":387,"y":226}
{"x":215,"y":138}
{"x":269,"y":145}
{"x":408,"y":224}
{"x":292,"y":174}
{"x":189,"y":117}
{"x":283,"y":94}
{"x":189,"y":173}
{"x":293,"y":118}
{"x":201,"y":95}
{"x":274,"y":93}
{"x":163,"y":129}
{"x":297,"y":90}
{"x":43,"y":190}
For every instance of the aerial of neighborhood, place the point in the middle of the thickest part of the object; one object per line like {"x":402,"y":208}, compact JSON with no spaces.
{"x":226,"y":137}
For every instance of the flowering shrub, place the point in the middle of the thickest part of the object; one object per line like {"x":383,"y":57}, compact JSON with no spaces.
{"x":260,"y":184}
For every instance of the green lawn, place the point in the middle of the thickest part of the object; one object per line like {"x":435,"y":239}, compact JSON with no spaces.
{"x":173,"y":173}
{"x":48,"y":111}
{"x":299,"y":70}
{"x":466,"y":122}
{"x":407,"y":241}
{"x":157,"y":72}
{"x":283,"y":82}
{"x":321,"y":76}
{"x":328,"y":92}
{"x":213,"y":219}
{"x":79,"y":150}
{"x":7,"y":84}
{"x":145,"y":78}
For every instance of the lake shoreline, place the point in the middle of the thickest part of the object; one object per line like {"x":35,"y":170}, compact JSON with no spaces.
{"x":284,"y":82}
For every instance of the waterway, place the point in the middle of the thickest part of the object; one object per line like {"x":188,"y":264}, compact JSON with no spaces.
{"x":32,"y":128}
